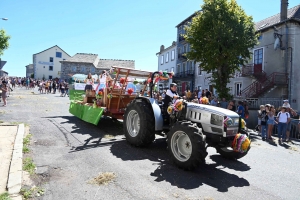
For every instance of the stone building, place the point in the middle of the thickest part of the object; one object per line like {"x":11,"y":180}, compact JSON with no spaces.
{"x":84,"y":63}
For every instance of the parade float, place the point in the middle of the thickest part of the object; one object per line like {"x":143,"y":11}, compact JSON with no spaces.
{"x":122,"y":86}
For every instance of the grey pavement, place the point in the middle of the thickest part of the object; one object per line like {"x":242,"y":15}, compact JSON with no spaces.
{"x":69,"y":152}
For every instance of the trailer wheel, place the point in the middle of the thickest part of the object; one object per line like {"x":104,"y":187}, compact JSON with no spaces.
{"x":139,"y":123}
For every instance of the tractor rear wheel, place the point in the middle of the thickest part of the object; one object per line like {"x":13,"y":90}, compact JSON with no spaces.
{"x":139,"y":124}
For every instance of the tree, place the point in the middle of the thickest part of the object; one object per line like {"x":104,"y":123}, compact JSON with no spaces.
{"x":3,"y":41}
{"x":220,"y":36}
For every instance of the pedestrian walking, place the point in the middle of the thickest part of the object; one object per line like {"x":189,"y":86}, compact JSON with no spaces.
{"x":4,"y":92}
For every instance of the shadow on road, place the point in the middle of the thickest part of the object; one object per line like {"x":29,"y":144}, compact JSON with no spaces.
{"x":208,"y":174}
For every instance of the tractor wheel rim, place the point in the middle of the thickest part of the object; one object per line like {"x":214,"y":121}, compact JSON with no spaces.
{"x":181,"y":146}
{"x":133,"y":123}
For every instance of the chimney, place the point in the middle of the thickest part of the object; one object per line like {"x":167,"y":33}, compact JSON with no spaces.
{"x":283,"y":10}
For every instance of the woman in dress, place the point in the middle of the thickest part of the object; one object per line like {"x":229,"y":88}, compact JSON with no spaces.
{"x":89,"y":82}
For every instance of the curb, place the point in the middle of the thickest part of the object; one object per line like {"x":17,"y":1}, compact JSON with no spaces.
{"x":14,"y":182}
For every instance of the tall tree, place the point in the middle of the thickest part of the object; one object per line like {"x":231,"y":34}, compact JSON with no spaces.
{"x":220,"y":36}
{"x":3,"y":41}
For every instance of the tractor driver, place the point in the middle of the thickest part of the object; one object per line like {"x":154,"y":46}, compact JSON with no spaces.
{"x":170,"y":95}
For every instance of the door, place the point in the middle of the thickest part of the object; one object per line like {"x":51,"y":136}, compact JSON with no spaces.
{"x":258,"y":61}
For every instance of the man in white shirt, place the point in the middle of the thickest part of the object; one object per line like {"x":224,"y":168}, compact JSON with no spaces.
{"x":283,"y":118}
{"x":170,"y":95}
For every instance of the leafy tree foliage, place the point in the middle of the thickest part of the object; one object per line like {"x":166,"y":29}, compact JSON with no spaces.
{"x":220,"y":36}
{"x":3,"y":41}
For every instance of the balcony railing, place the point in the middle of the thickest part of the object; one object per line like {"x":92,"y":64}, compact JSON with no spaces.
{"x":181,"y":56}
{"x":181,"y":38}
{"x":185,"y":74}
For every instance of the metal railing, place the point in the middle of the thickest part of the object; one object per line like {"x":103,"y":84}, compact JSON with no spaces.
{"x":181,"y":56}
{"x":294,"y":132}
{"x":254,"y":103}
{"x":264,"y":84}
{"x":184,"y":74}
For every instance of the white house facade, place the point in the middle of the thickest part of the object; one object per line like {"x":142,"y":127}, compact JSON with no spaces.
{"x":167,"y":62}
{"x":46,"y":64}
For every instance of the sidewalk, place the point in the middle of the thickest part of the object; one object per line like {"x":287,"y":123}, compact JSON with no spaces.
{"x":11,"y":156}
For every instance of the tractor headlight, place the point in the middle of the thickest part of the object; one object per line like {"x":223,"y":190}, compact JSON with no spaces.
{"x":228,"y":121}
{"x":216,"y":120}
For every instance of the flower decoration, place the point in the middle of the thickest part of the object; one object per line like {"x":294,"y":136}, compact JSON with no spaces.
{"x":122,"y":80}
{"x":99,"y":94}
{"x":130,"y":91}
{"x":149,"y":80}
{"x":240,"y":143}
{"x":178,"y":105}
{"x":170,"y":110}
{"x":156,"y":79}
{"x":160,"y":72}
{"x":109,"y":96}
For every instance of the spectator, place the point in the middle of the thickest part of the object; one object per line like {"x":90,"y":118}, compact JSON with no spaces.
{"x":259,"y":115}
{"x":204,"y":100}
{"x":286,"y":103}
{"x":224,"y":103}
{"x":189,"y":95}
{"x":283,"y":119}
{"x":289,"y":125}
{"x":199,"y":95}
{"x":241,"y":110}
{"x":264,"y":119}
{"x":231,"y":106}
{"x":214,"y":102}
{"x":4,"y":92}
{"x":245,"y":104}
{"x":271,"y":122}
{"x":207,"y":93}
{"x":195,"y":100}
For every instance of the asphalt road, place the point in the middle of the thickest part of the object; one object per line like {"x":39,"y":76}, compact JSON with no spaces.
{"x":69,"y":152}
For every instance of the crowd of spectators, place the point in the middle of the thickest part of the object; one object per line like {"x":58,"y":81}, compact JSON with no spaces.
{"x":7,"y":84}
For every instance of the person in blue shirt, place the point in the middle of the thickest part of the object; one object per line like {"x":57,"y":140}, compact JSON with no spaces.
{"x":241,"y":110}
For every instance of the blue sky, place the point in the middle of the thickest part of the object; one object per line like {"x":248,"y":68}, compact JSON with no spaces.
{"x":113,"y":29}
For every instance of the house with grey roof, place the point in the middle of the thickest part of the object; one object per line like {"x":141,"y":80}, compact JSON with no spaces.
{"x":273,"y":71}
{"x":46,"y":64}
{"x":84,"y":63}
{"x":167,"y":58}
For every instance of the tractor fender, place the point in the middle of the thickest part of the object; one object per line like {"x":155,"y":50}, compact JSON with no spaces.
{"x":156,"y":111}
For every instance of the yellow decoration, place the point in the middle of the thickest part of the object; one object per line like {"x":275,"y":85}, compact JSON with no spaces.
{"x":246,"y":145}
{"x":170,"y":110}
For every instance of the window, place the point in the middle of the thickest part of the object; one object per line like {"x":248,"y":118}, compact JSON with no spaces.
{"x":238,"y":89}
{"x":230,"y":90}
{"x":58,"y":54}
{"x":172,"y":69}
{"x":51,"y":59}
{"x":178,"y":50}
{"x":199,"y":70}
{"x":74,"y":68}
{"x":178,"y":68}
{"x":82,"y":69}
{"x":50,"y":77}
{"x":184,"y":49}
{"x":184,"y":67}
{"x":93,"y":70}
{"x":167,"y":70}
{"x":173,"y":55}
{"x":167,"y":57}
{"x":50,"y":68}
{"x":162,"y":60}
{"x":258,"y":56}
